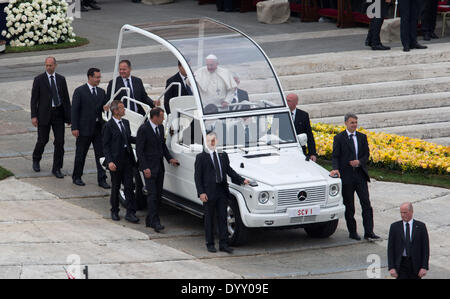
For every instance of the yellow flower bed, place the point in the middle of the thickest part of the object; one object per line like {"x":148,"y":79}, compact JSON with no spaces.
{"x":390,"y":151}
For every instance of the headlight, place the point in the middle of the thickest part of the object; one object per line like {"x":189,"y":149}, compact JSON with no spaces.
{"x":263,"y":197}
{"x":334,"y":190}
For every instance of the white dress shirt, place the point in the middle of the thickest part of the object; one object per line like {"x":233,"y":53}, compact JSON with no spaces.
{"x":120,"y":127}
{"x":50,"y":82}
{"x":211,"y":153}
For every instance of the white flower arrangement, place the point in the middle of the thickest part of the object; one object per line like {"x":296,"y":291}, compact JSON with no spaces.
{"x":32,"y":22}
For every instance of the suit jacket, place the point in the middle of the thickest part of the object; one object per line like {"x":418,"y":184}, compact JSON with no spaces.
{"x":242,"y":95}
{"x":343,"y":153}
{"x":151,"y":149}
{"x":302,"y":125}
{"x":41,"y":98}
{"x":205,"y":174}
{"x":114,"y":141}
{"x":138,"y":91}
{"x":173,"y":91}
{"x":86,"y":109}
{"x":420,"y":248}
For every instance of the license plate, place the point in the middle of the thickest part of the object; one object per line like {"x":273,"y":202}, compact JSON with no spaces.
{"x":304,"y":211}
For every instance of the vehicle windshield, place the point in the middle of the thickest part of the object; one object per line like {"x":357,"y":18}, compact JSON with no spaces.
{"x":249,"y":131}
{"x":231,"y":72}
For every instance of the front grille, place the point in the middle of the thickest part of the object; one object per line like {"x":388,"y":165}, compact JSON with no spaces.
{"x":288,"y":197}
{"x":303,"y":219}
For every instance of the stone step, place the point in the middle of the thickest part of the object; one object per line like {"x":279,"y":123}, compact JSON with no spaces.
{"x":395,"y":119}
{"x":355,"y":60}
{"x":423,"y":131}
{"x":370,"y":90}
{"x":378,"y":105}
{"x":442,"y":141}
{"x":362,"y":76}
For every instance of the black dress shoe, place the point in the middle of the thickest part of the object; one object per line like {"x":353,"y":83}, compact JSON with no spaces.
{"x":405,"y":49}
{"x":211,"y":248}
{"x":79,"y":182}
{"x":131,"y":218}
{"x":226,"y":249}
{"x":104,"y":185}
{"x":36,"y":166}
{"x":94,"y":6}
{"x":371,"y":236}
{"x":433,"y":35}
{"x":355,"y":236}
{"x":84,"y":8}
{"x":57,"y":173}
{"x":380,"y":47}
{"x":158,"y":228}
{"x":419,"y":46}
{"x":115,"y":216}
{"x":426,"y":36}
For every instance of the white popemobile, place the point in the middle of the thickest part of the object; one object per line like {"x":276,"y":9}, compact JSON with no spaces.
{"x":254,"y":127}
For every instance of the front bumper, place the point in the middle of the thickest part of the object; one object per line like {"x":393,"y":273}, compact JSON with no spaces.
{"x":283,"y":219}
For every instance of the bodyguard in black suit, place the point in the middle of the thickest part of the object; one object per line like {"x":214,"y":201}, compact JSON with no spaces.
{"x":349,"y":158}
{"x":151,"y":148}
{"x":408,"y":246}
{"x":211,"y":170}
{"x":302,"y":125}
{"x":409,"y":15}
{"x":137,"y":90}
{"x":180,"y":77}
{"x":120,"y":160}
{"x":87,"y":124}
{"x":50,"y":108}
{"x":429,"y":16}
{"x":373,"y":36}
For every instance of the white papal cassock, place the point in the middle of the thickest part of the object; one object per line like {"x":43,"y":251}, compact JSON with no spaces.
{"x":215,"y":87}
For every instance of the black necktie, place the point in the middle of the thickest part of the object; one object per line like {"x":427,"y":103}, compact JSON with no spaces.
{"x":124,"y":134}
{"x":157,"y":132}
{"x":352,"y":143}
{"x":217,"y":168}
{"x":247,"y":136}
{"x":55,"y":97}
{"x":93,"y":91}
{"x":408,"y":240}
{"x":132,"y":105}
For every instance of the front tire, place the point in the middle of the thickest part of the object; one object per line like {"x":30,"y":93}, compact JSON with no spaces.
{"x":237,"y":231}
{"x":321,"y":230}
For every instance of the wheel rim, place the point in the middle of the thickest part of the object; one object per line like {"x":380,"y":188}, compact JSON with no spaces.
{"x":231,"y":221}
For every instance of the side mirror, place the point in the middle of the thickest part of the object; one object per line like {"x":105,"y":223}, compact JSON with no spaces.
{"x":302,"y":139}
{"x":196,"y":148}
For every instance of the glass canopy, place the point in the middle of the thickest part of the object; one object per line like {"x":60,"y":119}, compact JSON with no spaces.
{"x":231,"y":72}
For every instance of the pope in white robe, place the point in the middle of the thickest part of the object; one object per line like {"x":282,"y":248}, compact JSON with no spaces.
{"x":215,"y":84}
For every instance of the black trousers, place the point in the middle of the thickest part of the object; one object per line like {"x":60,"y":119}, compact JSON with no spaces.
{"x":123,"y":175}
{"x":373,"y":36}
{"x":216,"y":206}
{"x":348,"y":193}
{"x":82,"y":147}
{"x":406,"y":269}
{"x":409,"y":15}
{"x":154,"y":187}
{"x":429,"y":16}
{"x":57,"y":125}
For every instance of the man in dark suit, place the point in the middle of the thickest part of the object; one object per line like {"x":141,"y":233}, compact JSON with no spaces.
{"x":302,"y":125}
{"x":409,"y":15}
{"x":211,"y":170}
{"x":180,"y":77}
{"x":87,"y":123}
{"x":408,"y":246}
{"x":429,"y":16}
{"x":151,"y":148}
{"x":373,"y":36}
{"x":50,"y":108}
{"x":137,"y":90}
{"x":239,"y":96}
{"x":120,"y":160}
{"x":349,"y":158}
